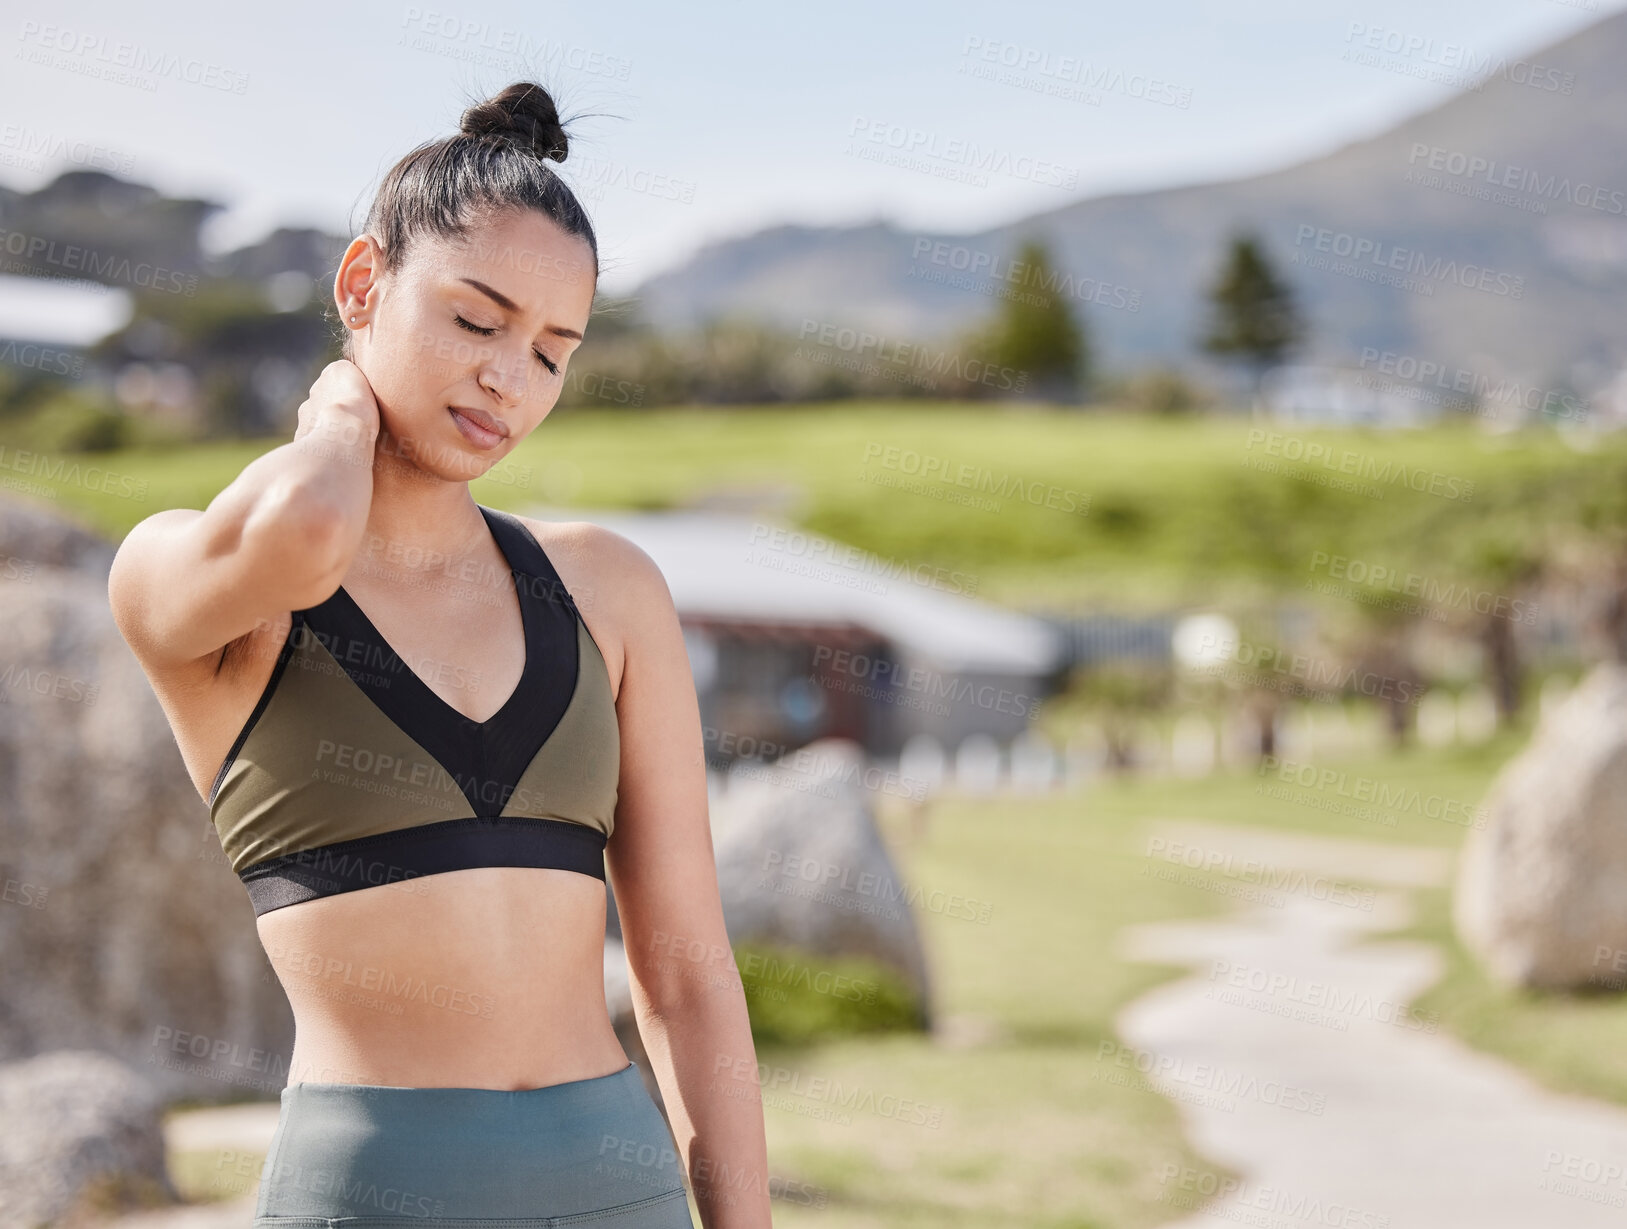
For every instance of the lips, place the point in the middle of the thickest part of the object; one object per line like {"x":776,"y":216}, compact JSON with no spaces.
{"x":481,"y":419}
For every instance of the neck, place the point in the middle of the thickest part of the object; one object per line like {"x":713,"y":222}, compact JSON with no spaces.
{"x":418,"y":521}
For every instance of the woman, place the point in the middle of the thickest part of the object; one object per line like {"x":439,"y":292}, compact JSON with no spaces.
{"x":428,"y":730}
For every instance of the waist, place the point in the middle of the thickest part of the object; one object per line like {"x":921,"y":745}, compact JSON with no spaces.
{"x":370,"y":1150}
{"x":481,"y":977}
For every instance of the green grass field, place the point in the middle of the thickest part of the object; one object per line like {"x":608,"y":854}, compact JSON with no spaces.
{"x":1033,"y":504}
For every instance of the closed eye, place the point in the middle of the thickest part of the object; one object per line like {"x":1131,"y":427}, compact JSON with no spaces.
{"x":475,"y":328}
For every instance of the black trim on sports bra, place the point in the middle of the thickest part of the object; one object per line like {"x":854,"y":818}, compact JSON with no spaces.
{"x":453,"y":845}
{"x":485,"y":758}
{"x":308,"y":821}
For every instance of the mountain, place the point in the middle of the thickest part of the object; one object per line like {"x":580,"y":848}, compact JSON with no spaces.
{"x":1503,"y":213}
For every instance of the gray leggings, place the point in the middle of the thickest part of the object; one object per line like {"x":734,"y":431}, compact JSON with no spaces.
{"x":373,"y":1156}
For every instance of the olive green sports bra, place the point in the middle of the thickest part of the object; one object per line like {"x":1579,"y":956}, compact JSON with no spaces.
{"x":351,"y":772}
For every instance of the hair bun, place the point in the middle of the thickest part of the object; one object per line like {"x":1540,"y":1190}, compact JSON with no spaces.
{"x":523,"y":113}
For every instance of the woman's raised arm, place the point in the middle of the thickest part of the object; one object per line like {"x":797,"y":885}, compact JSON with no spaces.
{"x":280,"y":537}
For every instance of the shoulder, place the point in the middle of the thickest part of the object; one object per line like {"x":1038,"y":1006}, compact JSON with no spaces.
{"x":616,"y":585}
{"x":609,"y":562}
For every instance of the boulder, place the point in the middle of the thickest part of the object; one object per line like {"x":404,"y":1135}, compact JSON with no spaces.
{"x":80,"y":1136}
{"x":122,"y":928}
{"x":1539,"y":894}
{"x":36,"y":536}
{"x":801,"y":864}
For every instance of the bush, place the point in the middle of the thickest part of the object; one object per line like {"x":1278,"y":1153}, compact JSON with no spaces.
{"x":77,"y":423}
{"x":793,"y":997}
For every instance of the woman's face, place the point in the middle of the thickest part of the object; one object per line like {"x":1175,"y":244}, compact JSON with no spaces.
{"x":466,"y":343}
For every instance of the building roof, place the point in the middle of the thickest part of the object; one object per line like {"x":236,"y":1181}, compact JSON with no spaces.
{"x":60,"y":312}
{"x":754,"y":568}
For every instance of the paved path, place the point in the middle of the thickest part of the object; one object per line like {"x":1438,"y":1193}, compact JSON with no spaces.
{"x":1295,"y":1059}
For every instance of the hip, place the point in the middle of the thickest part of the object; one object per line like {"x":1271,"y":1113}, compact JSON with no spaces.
{"x":371,"y":1156}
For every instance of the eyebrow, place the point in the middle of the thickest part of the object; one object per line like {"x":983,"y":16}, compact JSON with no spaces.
{"x":508,"y":304}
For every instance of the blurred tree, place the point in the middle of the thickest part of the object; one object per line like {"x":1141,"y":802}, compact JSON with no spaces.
{"x":1252,"y":313}
{"x":1121,"y":694}
{"x":223,"y":334}
{"x":1036,"y":333}
{"x":1161,"y":390}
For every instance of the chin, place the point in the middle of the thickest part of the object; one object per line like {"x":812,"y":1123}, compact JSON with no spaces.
{"x":443,"y":454}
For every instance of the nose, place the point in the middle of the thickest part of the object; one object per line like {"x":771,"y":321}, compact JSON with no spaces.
{"x":503,"y":376}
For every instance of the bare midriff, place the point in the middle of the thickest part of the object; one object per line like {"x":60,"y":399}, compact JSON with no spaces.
{"x":491,"y":977}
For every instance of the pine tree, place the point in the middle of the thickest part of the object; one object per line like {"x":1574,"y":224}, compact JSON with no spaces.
{"x":1253,"y":315}
{"x":1036,"y":334}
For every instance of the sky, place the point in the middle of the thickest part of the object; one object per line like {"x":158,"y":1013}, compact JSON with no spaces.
{"x":703,"y":122}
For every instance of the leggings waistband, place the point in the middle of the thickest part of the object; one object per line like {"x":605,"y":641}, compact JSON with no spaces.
{"x":418,"y":1155}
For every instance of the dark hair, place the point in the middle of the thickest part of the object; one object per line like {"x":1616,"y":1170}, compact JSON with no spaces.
{"x":497,"y":161}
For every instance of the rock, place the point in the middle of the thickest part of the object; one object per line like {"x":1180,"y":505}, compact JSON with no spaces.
{"x":44,"y":539}
{"x":80,"y":1136}
{"x":801,"y":864}
{"x":122,"y":928}
{"x":1539,"y":894}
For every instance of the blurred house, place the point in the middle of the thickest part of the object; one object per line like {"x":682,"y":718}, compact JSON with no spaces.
{"x":48,"y":326}
{"x":794,"y":637}
{"x":1332,"y":396}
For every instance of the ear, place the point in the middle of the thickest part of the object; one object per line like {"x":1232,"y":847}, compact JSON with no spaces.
{"x":355,"y":285}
